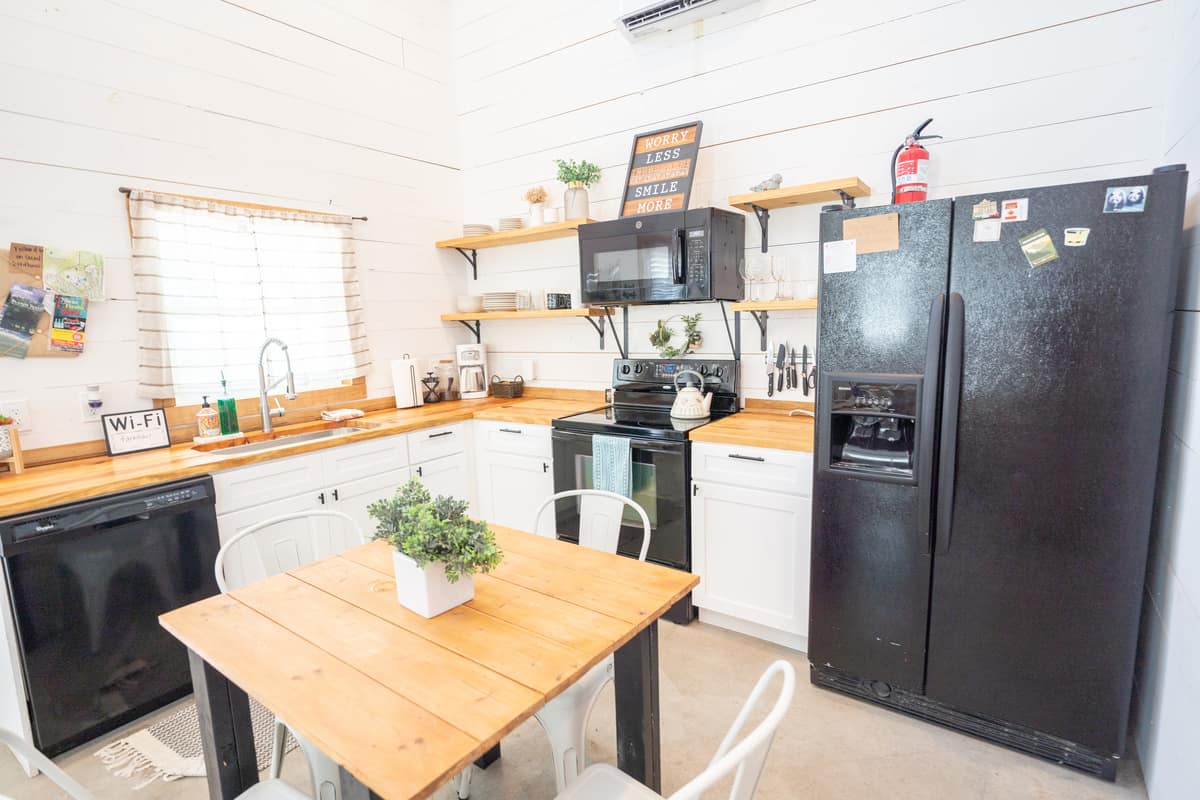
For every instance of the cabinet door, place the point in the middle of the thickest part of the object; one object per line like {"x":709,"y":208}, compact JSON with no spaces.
{"x":512,"y":487}
{"x":353,"y":497}
{"x":251,"y":486}
{"x":348,"y":462}
{"x":751,"y":550}
{"x":448,"y":475}
{"x":294,"y":543}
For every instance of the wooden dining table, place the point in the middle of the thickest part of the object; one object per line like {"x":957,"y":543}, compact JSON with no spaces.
{"x":403,"y":703}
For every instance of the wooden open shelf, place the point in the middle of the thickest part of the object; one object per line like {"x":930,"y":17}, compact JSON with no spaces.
{"x":552,"y":312}
{"x":801,"y":195}
{"x":538,"y":233}
{"x":809,"y":304}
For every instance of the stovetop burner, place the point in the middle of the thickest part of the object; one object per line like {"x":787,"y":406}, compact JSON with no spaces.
{"x":634,"y":421}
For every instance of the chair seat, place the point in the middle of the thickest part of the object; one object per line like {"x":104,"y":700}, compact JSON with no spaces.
{"x":273,"y":789}
{"x":606,"y":782}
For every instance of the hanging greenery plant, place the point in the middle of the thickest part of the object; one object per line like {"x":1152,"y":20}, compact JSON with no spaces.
{"x":660,"y":337}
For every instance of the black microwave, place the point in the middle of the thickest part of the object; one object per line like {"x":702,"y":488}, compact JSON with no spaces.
{"x":681,"y":256}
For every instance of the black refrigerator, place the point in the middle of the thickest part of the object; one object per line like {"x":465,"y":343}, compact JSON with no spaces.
{"x":992,"y":379}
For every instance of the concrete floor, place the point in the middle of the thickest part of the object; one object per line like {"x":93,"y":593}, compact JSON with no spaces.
{"x":829,"y":746}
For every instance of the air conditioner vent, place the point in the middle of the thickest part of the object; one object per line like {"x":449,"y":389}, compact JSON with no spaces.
{"x":639,"y":18}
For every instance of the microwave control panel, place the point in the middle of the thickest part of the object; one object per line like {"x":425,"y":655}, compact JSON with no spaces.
{"x":697,"y":256}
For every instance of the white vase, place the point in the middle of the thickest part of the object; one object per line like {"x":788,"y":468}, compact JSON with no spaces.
{"x":575,"y":201}
{"x":425,"y":590}
{"x":537,"y":214}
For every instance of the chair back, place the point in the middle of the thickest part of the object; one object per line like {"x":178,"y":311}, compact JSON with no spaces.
{"x":22,"y":748}
{"x":747,"y":756}
{"x":284,"y":542}
{"x":600,"y":517}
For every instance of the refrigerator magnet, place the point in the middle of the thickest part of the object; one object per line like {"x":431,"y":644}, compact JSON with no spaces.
{"x":1125,"y":199}
{"x":985,"y":209}
{"x":1075,"y":237}
{"x":1016,"y":210}
{"x":987,"y":230}
{"x":840,"y":256}
{"x":1038,"y":248}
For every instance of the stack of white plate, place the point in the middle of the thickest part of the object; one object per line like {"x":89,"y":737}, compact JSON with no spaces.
{"x":512,"y":223}
{"x":476,"y":229}
{"x":499,"y":301}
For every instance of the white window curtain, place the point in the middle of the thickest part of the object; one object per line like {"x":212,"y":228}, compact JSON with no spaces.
{"x":213,"y":281}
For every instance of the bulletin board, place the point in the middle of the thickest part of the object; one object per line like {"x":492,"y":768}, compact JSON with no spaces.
{"x":64,"y":282}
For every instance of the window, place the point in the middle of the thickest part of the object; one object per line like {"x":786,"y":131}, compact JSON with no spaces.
{"x":215,"y":280}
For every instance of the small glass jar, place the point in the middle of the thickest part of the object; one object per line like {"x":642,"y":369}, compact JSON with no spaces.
{"x":447,"y":386}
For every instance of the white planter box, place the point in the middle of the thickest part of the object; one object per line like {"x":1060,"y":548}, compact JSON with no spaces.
{"x":426,"y":591}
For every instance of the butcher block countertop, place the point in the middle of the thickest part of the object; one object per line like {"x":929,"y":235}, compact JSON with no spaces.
{"x":760,"y":425}
{"x":54,"y":484}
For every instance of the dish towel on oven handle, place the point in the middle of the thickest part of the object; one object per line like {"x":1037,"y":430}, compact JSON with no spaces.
{"x":612,"y":464}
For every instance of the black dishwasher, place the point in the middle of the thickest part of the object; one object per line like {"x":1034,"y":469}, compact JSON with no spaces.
{"x":87,"y":582}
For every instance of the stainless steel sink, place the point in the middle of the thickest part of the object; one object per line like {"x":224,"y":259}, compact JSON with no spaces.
{"x":286,"y":440}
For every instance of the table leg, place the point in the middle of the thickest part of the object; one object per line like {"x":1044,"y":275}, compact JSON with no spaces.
{"x":354,"y":789}
{"x":225,"y":732}
{"x":485,"y":760}
{"x":638,"y":736}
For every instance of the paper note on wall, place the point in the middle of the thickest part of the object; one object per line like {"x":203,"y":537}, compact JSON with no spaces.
{"x":840,"y":257}
{"x":75,"y":273}
{"x":876,"y":234}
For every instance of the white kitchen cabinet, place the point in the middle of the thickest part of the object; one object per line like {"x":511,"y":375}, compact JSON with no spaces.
{"x":448,"y":475}
{"x":514,"y":472}
{"x":249,"y":568}
{"x":353,"y":497}
{"x":750,"y":545}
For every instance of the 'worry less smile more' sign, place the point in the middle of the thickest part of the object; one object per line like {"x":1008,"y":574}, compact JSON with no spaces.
{"x":660,"y":170}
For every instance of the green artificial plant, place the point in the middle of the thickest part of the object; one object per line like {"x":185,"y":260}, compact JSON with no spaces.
{"x":429,"y":530}
{"x":660,"y":337}
{"x":582,"y":172}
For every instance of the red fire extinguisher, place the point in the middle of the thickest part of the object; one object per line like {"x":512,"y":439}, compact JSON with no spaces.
{"x":910,"y":167}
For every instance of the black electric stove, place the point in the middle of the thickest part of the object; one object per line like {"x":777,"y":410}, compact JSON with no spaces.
{"x":643,"y":391}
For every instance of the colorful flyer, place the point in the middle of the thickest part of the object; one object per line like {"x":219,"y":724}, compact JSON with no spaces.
{"x":1016,"y":210}
{"x":70,"y":319}
{"x":22,"y":309}
{"x":75,"y":273}
{"x":1038,"y":248}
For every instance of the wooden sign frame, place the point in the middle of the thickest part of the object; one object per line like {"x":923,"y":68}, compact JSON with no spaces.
{"x":670,"y":199}
{"x":116,"y":447}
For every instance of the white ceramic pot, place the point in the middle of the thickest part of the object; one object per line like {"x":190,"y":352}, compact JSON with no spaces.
{"x":537,"y":214}
{"x":425,"y":590}
{"x":575,"y":202}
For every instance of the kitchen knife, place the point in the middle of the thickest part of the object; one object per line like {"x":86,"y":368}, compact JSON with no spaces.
{"x":803,"y":368}
{"x":770,"y":372}
{"x":787,"y":374}
{"x":793,"y":383}
{"x":780,"y":360}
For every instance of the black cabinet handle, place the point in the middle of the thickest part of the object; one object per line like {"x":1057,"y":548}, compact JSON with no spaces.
{"x":420,"y":472}
{"x":335,"y":494}
{"x":510,"y":430}
{"x":443,"y":433}
{"x":545,"y":467}
{"x":695,"y":489}
{"x":746,"y":458}
{"x":321,"y":497}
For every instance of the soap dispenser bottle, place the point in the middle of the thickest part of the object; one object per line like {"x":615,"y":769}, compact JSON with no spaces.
{"x":208,"y":421}
{"x":227,"y":410}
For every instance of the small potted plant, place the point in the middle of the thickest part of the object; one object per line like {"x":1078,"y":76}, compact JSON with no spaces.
{"x":536,"y":197}
{"x":577,"y":175}
{"x":437,"y":548}
{"x":660,"y":337}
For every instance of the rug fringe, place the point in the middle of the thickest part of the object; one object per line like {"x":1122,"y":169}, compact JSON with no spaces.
{"x":125,"y":761}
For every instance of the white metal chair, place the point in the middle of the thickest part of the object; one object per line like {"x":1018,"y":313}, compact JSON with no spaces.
{"x":267,"y":548}
{"x":263,"y":790}
{"x":564,"y":719}
{"x":605,"y":782}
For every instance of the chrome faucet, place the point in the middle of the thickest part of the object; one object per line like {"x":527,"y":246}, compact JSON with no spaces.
{"x":264,"y":407}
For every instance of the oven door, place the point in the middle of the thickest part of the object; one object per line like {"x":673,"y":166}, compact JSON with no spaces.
{"x":660,"y":471}
{"x":633,"y":261}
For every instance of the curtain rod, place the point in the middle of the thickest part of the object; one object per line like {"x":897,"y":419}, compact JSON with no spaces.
{"x":126,"y":190}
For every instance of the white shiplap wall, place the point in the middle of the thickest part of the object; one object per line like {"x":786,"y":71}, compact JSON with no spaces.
{"x":344,"y":106}
{"x":1026,"y":93}
{"x":1168,"y":703}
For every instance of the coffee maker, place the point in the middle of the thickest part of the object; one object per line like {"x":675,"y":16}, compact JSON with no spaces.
{"x":472,"y":371}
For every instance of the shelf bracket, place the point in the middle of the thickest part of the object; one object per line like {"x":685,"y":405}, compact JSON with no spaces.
{"x":622,"y":341}
{"x":598,"y":324}
{"x":761,"y":318}
{"x":847,"y":201}
{"x":475,"y":329}
{"x":735,"y":342}
{"x":472,"y":257}
{"x":764,"y":216}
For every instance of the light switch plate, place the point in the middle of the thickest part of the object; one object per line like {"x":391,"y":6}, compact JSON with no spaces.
{"x":19,"y":411}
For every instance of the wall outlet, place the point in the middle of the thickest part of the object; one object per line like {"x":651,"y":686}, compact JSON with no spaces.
{"x":86,"y":412}
{"x":19,"y":411}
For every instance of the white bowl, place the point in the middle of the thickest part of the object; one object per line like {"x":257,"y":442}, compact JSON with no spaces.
{"x":469,"y":303}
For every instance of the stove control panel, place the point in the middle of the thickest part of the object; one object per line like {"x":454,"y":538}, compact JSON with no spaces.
{"x":719,"y":375}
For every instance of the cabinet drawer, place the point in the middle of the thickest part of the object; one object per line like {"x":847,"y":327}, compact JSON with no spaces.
{"x":266,"y":482}
{"x":444,"y":440}
{"x":753,"y":467}
{"x":515,"y":438}
{"x":349,"y":462}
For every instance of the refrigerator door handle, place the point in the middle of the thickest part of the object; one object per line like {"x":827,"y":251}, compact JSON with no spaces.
{"x":928,"y":421}
{"x":952,"y":389}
